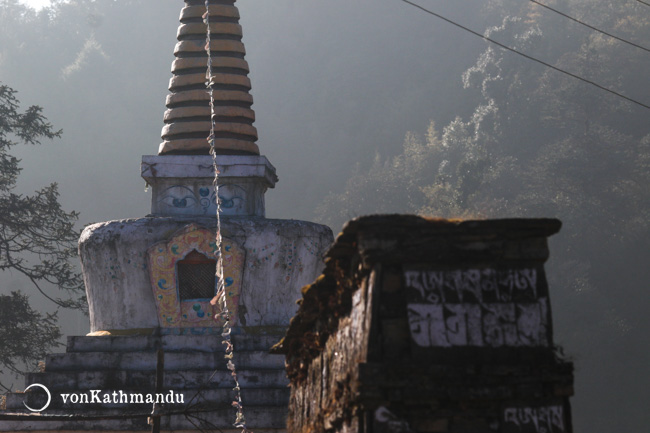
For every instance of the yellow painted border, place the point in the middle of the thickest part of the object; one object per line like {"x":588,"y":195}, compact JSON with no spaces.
{"x":162,"y":258}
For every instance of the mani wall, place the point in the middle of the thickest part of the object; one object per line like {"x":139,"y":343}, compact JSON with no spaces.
{"x":423,"y":325}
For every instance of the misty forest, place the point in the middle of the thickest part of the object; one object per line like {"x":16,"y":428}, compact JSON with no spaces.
{"x":370,"y":106}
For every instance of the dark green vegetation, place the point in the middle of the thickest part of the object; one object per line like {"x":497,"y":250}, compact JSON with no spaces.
{"x":37,"y":241}
{"x":26,"y":336}
{"x":338,"y":82}
{"x":542,"y":144}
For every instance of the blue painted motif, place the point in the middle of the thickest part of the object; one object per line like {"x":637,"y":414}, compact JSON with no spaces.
{"x":199,"y":312}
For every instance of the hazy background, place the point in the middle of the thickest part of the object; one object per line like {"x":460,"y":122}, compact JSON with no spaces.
{"x":337,"y":85}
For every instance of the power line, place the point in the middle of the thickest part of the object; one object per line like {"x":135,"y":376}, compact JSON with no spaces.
{"x":505,"y":47}
{"x":642,"y":2}
{"x":588,"y":26}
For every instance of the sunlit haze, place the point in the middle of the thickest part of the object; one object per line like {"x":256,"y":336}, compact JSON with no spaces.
{"x":36,"y":4}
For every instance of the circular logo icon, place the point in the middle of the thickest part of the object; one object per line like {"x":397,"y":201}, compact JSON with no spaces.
{"x":47,"y":391}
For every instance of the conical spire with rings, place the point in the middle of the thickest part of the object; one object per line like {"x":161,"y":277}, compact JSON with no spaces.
{"x":187,"y":119}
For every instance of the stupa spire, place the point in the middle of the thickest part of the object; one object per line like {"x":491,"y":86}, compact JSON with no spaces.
{"x":187,"y":119}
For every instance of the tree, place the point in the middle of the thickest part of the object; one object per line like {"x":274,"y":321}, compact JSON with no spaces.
{"x":25,"y":334}
{"x":542,"y":144}
{"x":37,"y":240}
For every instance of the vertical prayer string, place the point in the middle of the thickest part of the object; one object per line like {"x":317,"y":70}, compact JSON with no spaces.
{"x":220,"y":298}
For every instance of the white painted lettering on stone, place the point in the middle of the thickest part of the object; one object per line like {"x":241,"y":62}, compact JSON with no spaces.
{"x":474,"y":325}
{"x":473,"y":285}
{"x":529,"y":323}
{"x":546,"y":419}
{"x":427,"y":325}
{"x":456,"y":324}
{"x":499,"y":327}
{"x":429,"y":285}
{"x":487,"y":325}
{"x":476,"y":307}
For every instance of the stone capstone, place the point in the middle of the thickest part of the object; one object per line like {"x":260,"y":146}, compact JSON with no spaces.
{"x":429,"y":325}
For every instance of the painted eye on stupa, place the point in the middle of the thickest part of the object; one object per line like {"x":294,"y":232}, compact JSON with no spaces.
{"x":179,"y":202}
{"x":179,"y":197}
{"x":229,"y":203}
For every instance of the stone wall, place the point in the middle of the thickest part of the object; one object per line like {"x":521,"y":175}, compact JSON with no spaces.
{"x":429,"y":326}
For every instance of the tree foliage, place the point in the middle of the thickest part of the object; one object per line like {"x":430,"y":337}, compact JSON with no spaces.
{"x":37,"y":237}
{"x":37,"y":240}
{"x":543,"y":144}
{"x":25,"y":335}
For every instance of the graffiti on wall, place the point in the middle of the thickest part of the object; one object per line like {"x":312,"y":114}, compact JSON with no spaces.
{"x":476,"y":307}
{"x":196,"y":313}
{"x":545,"y":419}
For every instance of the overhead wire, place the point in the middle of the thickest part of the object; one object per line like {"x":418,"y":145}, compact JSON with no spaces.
{"x":642,"y":2}
{"x":589,"y":26}
{"x":505,"y":47}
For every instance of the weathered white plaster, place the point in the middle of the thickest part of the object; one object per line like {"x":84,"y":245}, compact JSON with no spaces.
{"x":281,"y":257}
{"x":180,"y":166}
